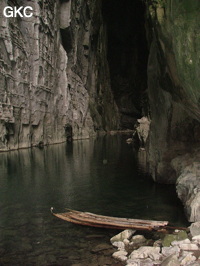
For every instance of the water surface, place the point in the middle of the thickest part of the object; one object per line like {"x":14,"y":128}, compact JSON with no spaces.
{"x":104,"y":175}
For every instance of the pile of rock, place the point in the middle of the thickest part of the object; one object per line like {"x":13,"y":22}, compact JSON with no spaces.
{"x":174,"y":249}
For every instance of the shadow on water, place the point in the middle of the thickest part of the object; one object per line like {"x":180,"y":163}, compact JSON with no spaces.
{"x":103,"y":175}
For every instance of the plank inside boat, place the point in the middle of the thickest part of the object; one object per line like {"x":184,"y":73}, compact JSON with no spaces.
{"x":129,"y":220}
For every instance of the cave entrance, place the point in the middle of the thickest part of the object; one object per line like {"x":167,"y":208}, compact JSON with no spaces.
{"x":127,"y":54}
{"x":68,"y":132}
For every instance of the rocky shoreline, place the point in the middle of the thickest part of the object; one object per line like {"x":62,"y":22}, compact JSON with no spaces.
{"x":173,"y":249}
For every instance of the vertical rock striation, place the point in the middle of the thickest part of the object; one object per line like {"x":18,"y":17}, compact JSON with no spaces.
{"x":33,"y":78}
{"x":54,"y":78}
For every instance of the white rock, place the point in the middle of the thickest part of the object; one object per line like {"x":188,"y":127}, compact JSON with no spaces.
{"x":143,"y":128}
{"x":188,"y":247}
{"x":195,"y":229}
{"x":155,"y":255}
{"x":178,"y":243}
{"x":157,"y":262}
{"x":172,"y":260}
{"x":138,"y":239}
{"x":129,"y":140}
{"x":120,"y":255}
{"x":131,"y":262}
{"x":144,"y":252}
{"x":189,"y":258}
{"x":196,"y":239}
{"x":146,"y":262}
{"x":194,"y":205}
{"x":119,"y":245}
{"x":126,"y":234}
{"x":138,"y":255}
{"x":167,"y":251}
{"x":126,"y":242}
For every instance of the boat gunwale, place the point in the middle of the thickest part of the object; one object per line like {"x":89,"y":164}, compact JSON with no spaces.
{"x":109,"y":226}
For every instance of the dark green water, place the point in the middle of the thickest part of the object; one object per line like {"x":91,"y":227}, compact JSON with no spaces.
{"x":103,"y":175}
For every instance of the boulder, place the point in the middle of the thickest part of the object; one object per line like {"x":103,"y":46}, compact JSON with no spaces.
{"x":188,"y":184}
{"x":188,"y":259}
{"x":189,"y":247}
{"x":133,"y":262}
{"x":119,"y":244}
{"x":178,"y":243}
{"x":126,"y":242}
{"x":195,"y":229}
{"x":196,"y":239}
{"x":126,"y":234}
{"x":168,"y":251}
{"x":172,"y":260}
{"x":143,"y":129}
{"x":138,"y":239}
{"x":145,"y":252}
{"x":120,"y":255}
{"x":168,"y":239}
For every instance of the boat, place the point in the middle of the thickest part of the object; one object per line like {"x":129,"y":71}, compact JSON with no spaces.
{"x":95,"y":220}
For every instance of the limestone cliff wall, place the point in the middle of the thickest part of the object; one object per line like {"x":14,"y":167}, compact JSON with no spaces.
{"x":174,"y":89}
{"x":52,"y":70}
{"x":173,"y":82}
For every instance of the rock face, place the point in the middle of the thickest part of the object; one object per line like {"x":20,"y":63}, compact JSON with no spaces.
{"x":53,"y":74}
{"x":173,"y":83}
{"x":174,"y":94}
{"x":187,"y":168}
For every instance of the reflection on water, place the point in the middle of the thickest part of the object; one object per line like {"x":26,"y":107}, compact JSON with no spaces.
{"x":101,"y":175}
{"x":142,"y":160}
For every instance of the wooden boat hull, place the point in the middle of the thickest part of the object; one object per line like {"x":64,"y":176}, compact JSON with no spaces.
{"x":94,"y":220}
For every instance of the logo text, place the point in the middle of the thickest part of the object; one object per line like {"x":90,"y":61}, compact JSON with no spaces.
{"x":13,"y":12}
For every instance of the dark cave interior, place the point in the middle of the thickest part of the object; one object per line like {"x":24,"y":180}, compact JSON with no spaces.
{"x":127,"y":55}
